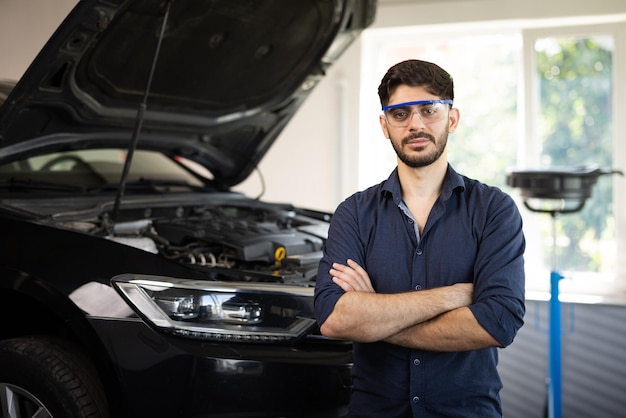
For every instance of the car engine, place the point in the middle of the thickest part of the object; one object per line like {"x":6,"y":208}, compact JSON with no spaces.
{"x":270,"y":243}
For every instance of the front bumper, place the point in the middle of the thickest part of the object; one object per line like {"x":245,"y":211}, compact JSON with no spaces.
{"x":167,"y":376}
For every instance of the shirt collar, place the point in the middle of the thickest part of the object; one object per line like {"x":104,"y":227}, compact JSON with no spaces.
{"x":452,"y":181}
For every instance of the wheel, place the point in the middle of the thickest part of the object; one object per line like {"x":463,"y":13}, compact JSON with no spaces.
{"x":44,"y":377}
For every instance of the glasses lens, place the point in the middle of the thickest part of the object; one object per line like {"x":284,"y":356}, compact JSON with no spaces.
{"x":429,"y":113}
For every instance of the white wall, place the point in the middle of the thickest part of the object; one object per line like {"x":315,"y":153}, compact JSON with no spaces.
{"x":25,"y":25}
{"x":425,"y":12}
{"x":314,"y":161}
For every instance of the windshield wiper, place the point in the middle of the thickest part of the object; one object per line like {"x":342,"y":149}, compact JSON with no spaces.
{"x":152,"y":185}
{"x":28,"y":184}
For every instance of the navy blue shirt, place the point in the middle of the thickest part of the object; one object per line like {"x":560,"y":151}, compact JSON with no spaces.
{"x":473,"y":234}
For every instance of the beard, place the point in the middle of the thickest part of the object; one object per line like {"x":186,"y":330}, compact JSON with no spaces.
{"x":416,"y":160}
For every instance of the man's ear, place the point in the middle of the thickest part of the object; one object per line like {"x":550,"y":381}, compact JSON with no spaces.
{"x":383,"y":125}
{"x":453,"y":119}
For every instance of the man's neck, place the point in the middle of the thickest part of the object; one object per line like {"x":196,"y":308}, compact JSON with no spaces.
{"x":422,"y":183}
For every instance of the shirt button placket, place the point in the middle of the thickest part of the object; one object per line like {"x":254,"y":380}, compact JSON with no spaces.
{"x":416,"y":362}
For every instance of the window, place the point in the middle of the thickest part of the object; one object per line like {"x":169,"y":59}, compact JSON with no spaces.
{"x":529,"y":98}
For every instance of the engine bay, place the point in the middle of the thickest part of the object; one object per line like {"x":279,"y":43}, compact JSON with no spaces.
{"x":268,"y":243}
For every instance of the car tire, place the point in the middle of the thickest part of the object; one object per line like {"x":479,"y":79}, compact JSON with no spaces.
{"x":48,"y":377}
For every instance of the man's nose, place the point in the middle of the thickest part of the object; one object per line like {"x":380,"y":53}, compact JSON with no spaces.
{"x":416,"y":123}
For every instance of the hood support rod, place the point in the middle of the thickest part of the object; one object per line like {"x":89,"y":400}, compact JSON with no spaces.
{"x":140,"y":117}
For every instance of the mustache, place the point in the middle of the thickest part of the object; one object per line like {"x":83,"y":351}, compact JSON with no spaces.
{"x":418,"y":135}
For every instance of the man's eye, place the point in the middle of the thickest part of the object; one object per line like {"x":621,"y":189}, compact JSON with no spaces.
{"x":429,"y":110}
{"x":400,"y":114}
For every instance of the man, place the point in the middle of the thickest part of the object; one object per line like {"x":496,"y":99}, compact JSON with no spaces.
{"x":424,"y":272}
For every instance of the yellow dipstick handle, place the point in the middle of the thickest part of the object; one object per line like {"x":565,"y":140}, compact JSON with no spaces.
{"x":279,"y":254}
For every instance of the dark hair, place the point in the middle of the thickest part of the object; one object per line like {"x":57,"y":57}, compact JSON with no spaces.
{"x":416,"y":73}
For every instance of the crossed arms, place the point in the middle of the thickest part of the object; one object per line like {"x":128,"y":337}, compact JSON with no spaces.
{"x":434,"y":319}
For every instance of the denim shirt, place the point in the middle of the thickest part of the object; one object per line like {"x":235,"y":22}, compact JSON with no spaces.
{"x":473,"y":234}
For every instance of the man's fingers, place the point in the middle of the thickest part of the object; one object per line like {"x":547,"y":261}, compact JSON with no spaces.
{"x":346,"y":286}
{"x":356,"y":267}
{"x":351,"y":277}
{"x":364,"y":278}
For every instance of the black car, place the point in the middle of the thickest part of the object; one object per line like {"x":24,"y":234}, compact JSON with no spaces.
{"x":134,"y":282}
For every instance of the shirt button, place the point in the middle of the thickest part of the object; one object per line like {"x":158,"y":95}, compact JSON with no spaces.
{"x":418,"y":252}
{"x":416,"y":399}
{"x":418,"y":287}
{"x":416,"y":362}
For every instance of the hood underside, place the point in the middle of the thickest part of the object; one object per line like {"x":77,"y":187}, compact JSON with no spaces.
{"x":227,"y":77}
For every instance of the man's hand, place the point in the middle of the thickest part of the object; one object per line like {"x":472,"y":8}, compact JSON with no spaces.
{"x":351,"y":277}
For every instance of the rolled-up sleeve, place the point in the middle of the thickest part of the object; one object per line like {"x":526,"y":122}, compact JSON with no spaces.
{"x":499,"y":281}
{"x":342,"y":244}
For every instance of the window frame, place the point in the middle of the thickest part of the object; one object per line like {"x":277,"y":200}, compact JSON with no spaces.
{"x":529,"y":146}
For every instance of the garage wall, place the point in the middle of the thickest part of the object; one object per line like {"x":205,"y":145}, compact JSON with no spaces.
{"x":25,"y":25}
{"x":593,"y":361}
{"x":314,"y":162}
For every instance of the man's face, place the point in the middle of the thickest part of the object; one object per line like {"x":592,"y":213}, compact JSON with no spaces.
{"x":418,"y":132}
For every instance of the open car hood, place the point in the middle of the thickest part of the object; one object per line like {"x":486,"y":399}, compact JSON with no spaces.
{"x":228,"y":77}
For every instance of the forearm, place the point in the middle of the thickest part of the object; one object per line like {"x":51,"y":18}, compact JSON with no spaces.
{"x":456,"y":330}
{"x":367,"y":317}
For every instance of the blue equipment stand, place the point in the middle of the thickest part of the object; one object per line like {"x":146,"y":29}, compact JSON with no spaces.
{"x":554,"y":364}
{"x":554,"y":360}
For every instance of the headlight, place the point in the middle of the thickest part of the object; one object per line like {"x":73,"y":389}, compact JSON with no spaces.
{"x":221,"y":311}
